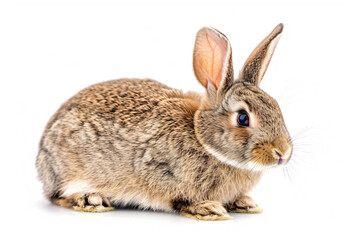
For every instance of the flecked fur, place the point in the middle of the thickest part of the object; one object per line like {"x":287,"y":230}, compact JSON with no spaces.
{"x":139,"y":142}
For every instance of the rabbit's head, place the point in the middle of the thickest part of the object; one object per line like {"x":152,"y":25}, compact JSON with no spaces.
{"x":239,"y":123}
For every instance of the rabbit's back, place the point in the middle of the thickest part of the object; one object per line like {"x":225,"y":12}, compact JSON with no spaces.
{"x":113,"y":134}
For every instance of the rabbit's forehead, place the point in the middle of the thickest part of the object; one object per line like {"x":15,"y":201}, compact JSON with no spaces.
{"x":253,"y":100}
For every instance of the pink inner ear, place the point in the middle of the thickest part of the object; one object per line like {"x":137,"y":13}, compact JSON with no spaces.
{"x":218,"y":48}
{"x":210,"y":56}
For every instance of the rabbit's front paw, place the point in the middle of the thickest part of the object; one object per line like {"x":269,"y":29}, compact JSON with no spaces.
{"x":206,"y":210}
{"x":244,"y":204}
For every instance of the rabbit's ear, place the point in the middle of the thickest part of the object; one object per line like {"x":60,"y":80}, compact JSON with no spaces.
{"x":258,"y":61}
{"x":212,"y":61}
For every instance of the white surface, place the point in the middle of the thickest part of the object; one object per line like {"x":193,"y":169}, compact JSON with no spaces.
{"x":51,"y":50}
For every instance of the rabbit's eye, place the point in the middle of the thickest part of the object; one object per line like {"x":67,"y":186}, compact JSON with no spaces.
{"x":243,"y":119}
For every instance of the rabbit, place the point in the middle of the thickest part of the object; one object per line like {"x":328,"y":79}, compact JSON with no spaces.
{"x":140,"y":143}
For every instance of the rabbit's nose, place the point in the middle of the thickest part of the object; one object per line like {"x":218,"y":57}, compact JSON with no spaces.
{"x":281,"y":160}
{"x":282,"y":149}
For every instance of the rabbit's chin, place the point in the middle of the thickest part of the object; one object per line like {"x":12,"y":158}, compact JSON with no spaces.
{"x":246,"y":165}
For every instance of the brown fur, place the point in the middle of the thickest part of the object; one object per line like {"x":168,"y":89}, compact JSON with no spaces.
{"x":139,"y":142}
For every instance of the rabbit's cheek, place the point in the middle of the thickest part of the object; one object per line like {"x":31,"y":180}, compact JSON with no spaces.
{"x":262,"y":154}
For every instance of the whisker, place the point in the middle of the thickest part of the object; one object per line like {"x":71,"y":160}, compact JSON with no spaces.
{"x":285,"y":90}
{"x":302,"y":143}
{"x":292,"y":94}
{"x":301,"y":135}
{"x":305,"y":129}
{"x":302,"y":149}
{"x":287,"y":172}
{"x":297,"y":158}
{"x":284,"y":173}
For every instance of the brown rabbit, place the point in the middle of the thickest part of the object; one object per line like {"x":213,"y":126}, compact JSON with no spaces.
{"x":138,"y":142}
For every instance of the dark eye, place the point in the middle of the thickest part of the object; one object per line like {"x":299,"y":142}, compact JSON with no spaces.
{"x":243,"y":119}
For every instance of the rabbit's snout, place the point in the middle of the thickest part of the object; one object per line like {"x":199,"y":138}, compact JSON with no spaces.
{"x":277,"y":152}
{"x":282,"y":150}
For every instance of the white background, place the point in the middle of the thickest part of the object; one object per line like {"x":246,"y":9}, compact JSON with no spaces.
{"x":51,"y":50}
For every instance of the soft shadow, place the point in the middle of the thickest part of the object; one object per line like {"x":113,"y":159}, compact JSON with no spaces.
{"x":127,"y":212}
{"x":133,"y":213}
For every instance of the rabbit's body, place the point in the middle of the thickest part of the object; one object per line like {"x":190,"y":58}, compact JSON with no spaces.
{"x":115,"y":139}
{"x":139,"y":142}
